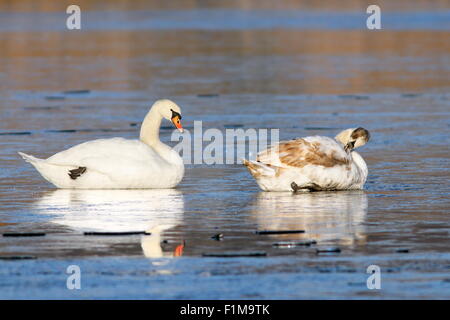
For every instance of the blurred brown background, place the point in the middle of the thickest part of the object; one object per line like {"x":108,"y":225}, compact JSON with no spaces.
{"x":122,"y":47}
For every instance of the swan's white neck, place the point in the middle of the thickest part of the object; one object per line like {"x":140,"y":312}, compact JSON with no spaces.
{"x":150,"y":128}
{"x":360,"y":163}
{"x":150,"y":136}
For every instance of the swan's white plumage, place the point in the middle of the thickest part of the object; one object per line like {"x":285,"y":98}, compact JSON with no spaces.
{"x":115,"y":163}
{"x":312,"y":161}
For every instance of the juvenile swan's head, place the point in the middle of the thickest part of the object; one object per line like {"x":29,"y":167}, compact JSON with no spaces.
{"x":170,"y":111}
{"x":353,"y":138}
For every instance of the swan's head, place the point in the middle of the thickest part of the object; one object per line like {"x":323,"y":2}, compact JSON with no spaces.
{"x":353,"y":138}
{"x":170,"y":111}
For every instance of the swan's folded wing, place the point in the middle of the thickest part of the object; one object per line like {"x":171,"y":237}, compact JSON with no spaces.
{"x":319,"y":151}
{"x":123,"y":168}
{"x":113,"y":157}
{"x":102,"y":148}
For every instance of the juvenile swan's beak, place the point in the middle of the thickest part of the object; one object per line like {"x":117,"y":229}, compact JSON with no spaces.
{"x":176,"y":120}
{"x":349,"y":146}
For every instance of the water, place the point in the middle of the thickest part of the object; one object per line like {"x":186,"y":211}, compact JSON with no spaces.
{"x":306,"y":77}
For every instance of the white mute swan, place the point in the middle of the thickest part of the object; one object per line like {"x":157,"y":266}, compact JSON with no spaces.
{"x":312,"y":163}
{"x":119,"y":163}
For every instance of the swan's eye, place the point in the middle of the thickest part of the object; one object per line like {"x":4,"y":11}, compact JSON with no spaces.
{"x":176,"y":120}
{"x":175,"y":114}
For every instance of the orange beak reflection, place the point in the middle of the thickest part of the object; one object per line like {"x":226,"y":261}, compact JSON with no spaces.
{"x":178,"y":252}
{"x":177,"y":123}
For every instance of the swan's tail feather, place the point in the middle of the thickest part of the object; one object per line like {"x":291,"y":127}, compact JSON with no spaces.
{"x":29,"y":158}
{"x":38,"y":164}
{"x":258,"y":169}
{"x":43,"y":167}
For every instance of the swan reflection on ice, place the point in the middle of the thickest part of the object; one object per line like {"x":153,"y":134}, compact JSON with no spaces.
{"x":154,"y":211}
{"x":325,"y":216}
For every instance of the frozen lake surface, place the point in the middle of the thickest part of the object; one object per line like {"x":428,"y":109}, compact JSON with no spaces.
{"x":305,"y":79}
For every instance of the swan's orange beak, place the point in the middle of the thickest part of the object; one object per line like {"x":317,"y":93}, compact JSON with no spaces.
{"x":177,"y":123}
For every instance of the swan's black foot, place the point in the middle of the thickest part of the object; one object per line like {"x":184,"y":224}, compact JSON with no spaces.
{"x":75,"y":173}
{"x":314,"y":187}
{"x":310,"y":186}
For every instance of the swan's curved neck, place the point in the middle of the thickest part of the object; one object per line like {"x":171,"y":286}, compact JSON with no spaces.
{"x":150,"y":136}
{"x":360,"y":163}
{"x":150,"y":128}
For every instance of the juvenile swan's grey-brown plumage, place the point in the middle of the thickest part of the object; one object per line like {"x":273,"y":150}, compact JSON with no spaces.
{"x":312,"y":163}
